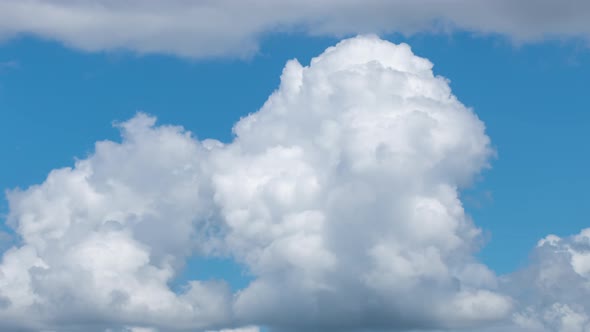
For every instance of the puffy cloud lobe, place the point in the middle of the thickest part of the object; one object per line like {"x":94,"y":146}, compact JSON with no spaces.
{"x":219,"y":28}
{"x":555,"y":288}
{"x":339,"y":196}
{"x":101,"y":241}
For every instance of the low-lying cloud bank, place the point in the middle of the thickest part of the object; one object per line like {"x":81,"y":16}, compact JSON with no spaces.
{"x":339,"y":197}
{"x":234,"y":28}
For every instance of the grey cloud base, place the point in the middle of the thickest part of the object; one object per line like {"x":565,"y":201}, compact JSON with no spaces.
{"x":339,"y":196}
{"x":220,"y":28}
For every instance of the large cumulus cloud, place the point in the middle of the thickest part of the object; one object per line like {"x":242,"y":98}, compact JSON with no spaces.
{"x":220,"y":28}
{"x":346,"y":198}
{"x":340,"y":197}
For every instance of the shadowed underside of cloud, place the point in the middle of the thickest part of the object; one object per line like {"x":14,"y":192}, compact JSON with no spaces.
{"x":233,"y":28}
{"x":339,"y":196}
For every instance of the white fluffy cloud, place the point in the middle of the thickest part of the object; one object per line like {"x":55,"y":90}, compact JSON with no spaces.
{"x":100,"y":241}
{"x":221,"y":27}
{"x":345,"y":199}
{"x":555,"y":289}
{"x":339,"y":197}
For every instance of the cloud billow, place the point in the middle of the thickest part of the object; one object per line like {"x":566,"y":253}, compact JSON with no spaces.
{"x":340,"y":197}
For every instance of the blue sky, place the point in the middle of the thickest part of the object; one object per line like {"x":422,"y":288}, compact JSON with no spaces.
{"x":62,"y":92}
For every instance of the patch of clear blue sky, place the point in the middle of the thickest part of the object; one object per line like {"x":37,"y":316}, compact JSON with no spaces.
{"x":56,"y":102}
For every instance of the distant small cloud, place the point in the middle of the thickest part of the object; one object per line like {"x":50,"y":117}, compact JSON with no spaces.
{"x":9,"y":65}
{"x":479,"y":199}
{"x":241,"y":329}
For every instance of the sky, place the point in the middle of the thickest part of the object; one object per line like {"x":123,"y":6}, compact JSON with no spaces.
{"x":168,"y":166}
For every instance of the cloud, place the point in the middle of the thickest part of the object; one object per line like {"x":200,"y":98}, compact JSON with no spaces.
{"x":102,"y":240}
{"x":345,"y":201}
{"x":554,"y":289}
{"x":340,"y":197}
{"x":220,"y":28}
{"x":243,"y":329}
{"x":7,"y":65}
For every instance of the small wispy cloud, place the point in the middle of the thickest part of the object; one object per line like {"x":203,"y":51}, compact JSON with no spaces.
{"x":8,"y":65}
